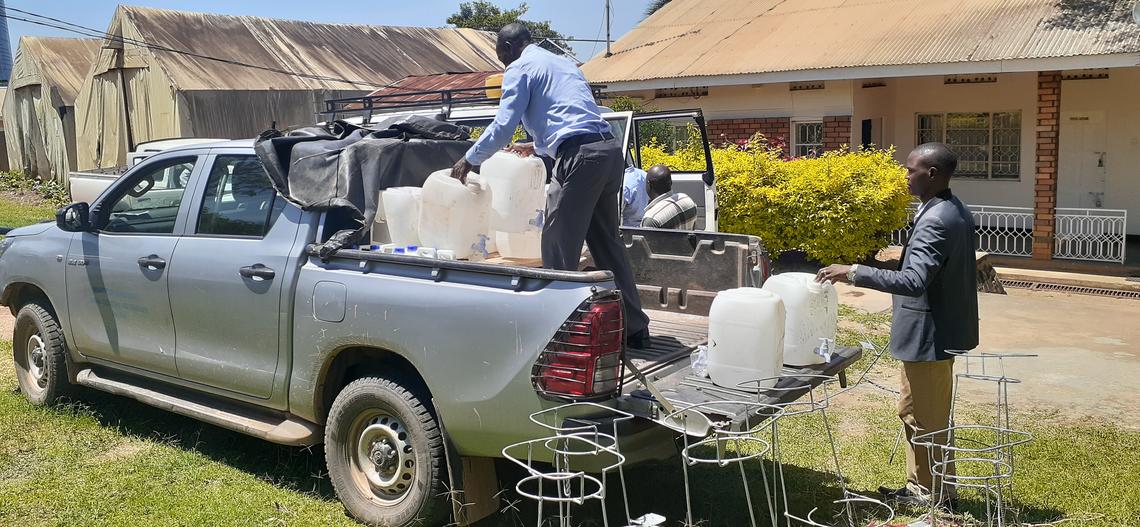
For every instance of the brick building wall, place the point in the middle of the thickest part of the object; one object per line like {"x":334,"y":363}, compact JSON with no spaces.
{"x":1045,"y":187}
{"x":738,"y":130}
{"x":836,"y":132}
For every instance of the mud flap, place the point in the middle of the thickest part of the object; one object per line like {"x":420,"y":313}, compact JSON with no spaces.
{"x":473,"y":488}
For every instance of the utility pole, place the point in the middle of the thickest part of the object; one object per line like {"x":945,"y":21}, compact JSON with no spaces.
{"x":608,"y":52}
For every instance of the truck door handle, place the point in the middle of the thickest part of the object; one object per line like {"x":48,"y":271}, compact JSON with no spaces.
{"x":257,"y":272}
{"x":152,"y":262}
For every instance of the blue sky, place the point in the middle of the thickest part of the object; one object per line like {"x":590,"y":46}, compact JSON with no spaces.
{"x":576,"y":18}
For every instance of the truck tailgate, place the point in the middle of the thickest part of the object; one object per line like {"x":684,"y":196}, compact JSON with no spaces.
{"x":666,"y":365}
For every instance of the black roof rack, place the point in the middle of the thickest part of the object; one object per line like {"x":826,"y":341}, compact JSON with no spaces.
{"x":444,"y":100}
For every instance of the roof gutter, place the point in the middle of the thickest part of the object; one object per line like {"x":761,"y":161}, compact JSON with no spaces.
{"x":1119,"y":60}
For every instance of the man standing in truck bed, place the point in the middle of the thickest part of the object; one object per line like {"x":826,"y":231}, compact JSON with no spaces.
{"x":554,"y":102}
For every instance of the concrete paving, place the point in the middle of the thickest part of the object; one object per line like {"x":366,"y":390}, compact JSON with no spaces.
{"x":1088,"y":364}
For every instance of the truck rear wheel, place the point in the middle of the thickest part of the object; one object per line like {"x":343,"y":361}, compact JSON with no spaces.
{"x":40,"y":355}
{"x":385,"y":455}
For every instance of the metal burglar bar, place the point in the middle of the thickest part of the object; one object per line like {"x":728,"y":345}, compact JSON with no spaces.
{"x":1000,"y":230}
{"x":1090,"y":234}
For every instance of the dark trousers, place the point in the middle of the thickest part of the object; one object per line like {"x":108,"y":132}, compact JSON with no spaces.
{"x":582,"y":205}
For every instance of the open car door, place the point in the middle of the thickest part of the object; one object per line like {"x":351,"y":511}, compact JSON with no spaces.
{"x":672,"y":130}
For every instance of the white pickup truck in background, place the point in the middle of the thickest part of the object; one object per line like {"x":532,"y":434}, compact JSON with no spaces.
{"x":87,"y":185}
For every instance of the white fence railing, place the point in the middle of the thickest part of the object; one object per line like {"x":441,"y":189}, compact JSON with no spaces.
{"x":1090,"y":234}
{"x":1000,"y":230}
{"x":1004,"y":230}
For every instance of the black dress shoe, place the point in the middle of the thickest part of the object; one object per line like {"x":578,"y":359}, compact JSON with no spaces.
{"x":905,"y":496}
{"x":640,"y":341}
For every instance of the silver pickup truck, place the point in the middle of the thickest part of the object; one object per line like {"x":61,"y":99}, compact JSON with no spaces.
{"x":206,"y":298}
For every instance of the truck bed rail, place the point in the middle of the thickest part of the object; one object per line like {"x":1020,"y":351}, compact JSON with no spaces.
{"x":587,"y":277}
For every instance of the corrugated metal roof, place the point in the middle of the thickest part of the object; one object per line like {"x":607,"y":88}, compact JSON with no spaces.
{"x":365,"y":56}
{"x":443,"y":81}
{"x":696,"y":38}
{"x":58,"y":62}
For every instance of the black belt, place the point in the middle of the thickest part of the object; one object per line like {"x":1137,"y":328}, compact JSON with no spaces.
{"x":578,"y":140}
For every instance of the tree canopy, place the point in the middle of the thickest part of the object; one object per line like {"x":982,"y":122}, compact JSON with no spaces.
{"x":485,"y":16}
{"x":654,"y":6}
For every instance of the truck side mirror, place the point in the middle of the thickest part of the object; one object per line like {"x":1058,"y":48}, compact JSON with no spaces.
{"x":74,"y":218}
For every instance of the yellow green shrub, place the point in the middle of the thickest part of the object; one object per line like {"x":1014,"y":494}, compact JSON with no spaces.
{"x":838,"y":207}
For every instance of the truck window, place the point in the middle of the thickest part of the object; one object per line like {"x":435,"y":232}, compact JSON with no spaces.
{"x":151,"y":205}
{"x":239,"y":199}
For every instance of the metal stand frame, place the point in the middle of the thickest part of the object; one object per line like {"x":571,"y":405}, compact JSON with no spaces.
{"x":744,"y":444}
{"x":818,"y":400}
{"x":572,"y":441}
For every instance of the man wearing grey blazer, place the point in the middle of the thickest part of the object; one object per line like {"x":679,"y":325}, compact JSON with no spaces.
{"x":935,"y":310}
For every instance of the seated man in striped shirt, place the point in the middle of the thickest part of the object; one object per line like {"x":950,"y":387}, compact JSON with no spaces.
{"x":667,"y":209}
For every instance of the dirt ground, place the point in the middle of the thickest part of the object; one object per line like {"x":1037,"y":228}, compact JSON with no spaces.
{"x":1087,"y":362}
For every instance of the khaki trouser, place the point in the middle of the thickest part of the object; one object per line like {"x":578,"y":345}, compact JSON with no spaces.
{"x":924,"y":407}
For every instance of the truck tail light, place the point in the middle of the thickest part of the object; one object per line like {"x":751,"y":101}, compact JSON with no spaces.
{"x":583,"y":360}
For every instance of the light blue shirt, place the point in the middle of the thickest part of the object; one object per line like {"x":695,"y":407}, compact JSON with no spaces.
{"x":634,"y":197}
{"x":551,"y":97}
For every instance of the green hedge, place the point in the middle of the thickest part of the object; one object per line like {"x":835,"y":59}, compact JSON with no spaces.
{"x":837,"y":208}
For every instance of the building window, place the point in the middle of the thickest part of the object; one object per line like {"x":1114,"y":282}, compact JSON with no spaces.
{"x":808,"y":139}
{"x":988,"y":144}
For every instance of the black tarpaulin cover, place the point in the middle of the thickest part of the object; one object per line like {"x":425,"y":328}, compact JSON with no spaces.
{"x":346,"y":166}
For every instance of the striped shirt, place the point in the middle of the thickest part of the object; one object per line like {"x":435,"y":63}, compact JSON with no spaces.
{"x":671,"y":211}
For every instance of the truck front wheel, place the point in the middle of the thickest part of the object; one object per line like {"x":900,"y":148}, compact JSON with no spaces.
{"x":385,"y":455}
{"x":40,"y":355}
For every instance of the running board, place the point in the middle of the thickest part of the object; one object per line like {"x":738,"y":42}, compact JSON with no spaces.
{"x":279,"y":429}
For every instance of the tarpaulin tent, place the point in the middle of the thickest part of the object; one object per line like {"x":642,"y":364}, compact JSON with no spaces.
{"x":173,"y":74}
{"x":39,"y":109}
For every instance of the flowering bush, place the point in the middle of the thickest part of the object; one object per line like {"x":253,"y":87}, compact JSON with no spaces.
{"x":838,"y":207}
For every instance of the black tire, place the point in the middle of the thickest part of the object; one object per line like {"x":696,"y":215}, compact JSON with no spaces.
{"x":391,"y":418}
{"x":40,"y":354}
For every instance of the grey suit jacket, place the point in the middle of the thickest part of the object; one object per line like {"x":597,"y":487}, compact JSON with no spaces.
{"x":935,"y":293}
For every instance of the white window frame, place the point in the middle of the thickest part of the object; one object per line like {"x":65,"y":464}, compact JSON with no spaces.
{"x":989,"y":175}
{"x":795,"y":139}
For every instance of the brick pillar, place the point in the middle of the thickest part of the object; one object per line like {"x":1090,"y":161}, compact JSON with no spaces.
{"x":836,"y":132}
{"x":1045,"y":188}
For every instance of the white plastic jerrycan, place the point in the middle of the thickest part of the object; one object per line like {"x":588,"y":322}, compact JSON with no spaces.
{"x":401,"y":209}
{"x":455,"y":216}
{"x":746,"y":330}
{"x":812,"y":314}
{"x":517,"y":189}
{"x":522,"y":245}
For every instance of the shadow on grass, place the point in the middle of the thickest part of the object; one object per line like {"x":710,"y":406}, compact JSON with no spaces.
{"x":291,"y":468}
{"x":718,"y":499}
{"x":717,"y":494}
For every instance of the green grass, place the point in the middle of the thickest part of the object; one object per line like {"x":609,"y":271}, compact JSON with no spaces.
{"x":105,"y":460}
{"x":110,"y":461}
{"x":17,"y":212}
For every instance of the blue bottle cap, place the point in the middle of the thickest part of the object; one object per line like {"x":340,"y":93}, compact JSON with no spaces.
{"x":375,"y":247}
{"x":399,"y":250}
{"x":413,"y":248}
